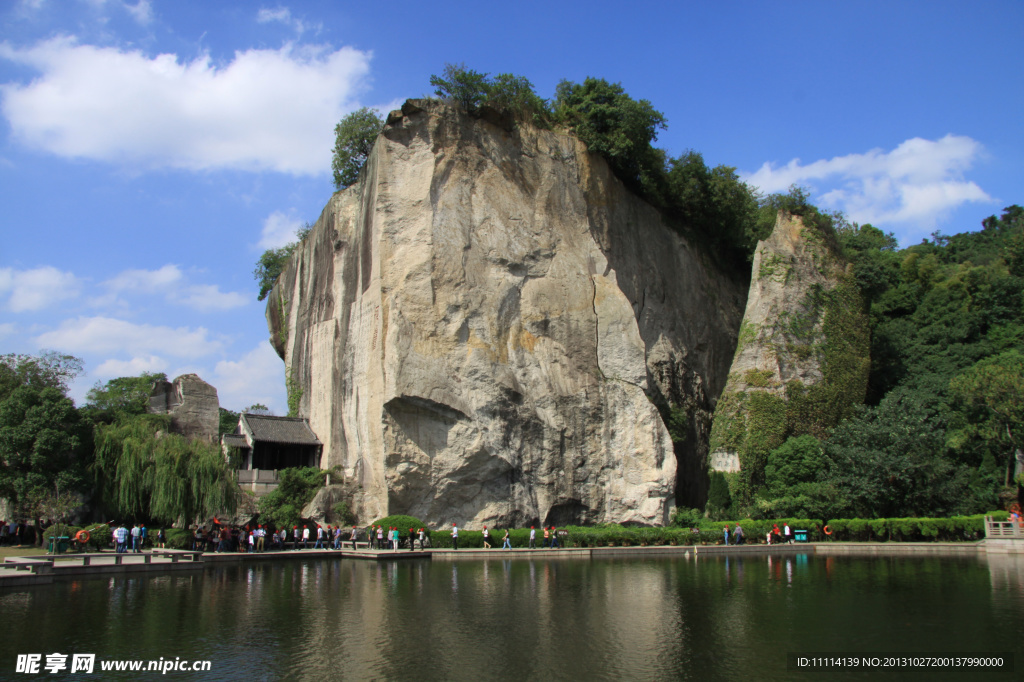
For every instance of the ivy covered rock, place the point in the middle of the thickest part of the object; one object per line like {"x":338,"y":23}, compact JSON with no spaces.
{"x":802,"y":359}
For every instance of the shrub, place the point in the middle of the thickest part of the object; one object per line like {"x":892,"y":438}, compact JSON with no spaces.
{"x":100,"y":536}
{"x":403,"y":523}
{"x":179,"y":538}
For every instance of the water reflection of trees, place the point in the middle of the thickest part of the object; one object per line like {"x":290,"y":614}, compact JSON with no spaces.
{"x":519,"y":618}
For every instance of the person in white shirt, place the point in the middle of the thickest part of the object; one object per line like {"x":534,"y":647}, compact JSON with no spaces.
{"x":305,"y":537}
{"x":455,"y":536}
{"x":533,"y":538}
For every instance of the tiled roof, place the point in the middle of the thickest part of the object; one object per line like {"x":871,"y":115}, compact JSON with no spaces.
{"x":233,"y":440}
{"x":280,"y":429}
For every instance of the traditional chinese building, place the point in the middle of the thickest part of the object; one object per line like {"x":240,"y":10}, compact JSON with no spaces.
{"x":266,"y":444}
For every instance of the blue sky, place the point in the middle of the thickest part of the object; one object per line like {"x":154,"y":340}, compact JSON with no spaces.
{"x":150,"y":151}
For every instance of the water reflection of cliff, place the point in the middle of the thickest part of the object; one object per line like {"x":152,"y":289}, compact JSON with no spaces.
{"x":1006,"y":571}
{"x":708,"y":618}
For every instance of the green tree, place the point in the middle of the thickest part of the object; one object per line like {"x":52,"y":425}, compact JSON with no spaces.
{"x":44,"y":441}
{"x":121,"y":396}
{"x":296,"y":488}
{"x":715,"y":203}
{"x":719,"y":498}
{"x":464,"y":87}
{"x":142,"y":471}
{"x":618,"y":127}
{"x":272,"y":262}
{"x":228,"y":421}
{"x":516,"y":96}
{"x":995,"y":388}
{"x":891,"y":460}
{"x":47,"y":370}
{"x":353,"y":141}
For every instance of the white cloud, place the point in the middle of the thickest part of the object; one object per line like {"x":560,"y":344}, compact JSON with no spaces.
{"x":145,"y":281}
{"x":916,"y":183}
{"x":278,"y":229}
{"x":38,"y":288}
{"x":6,"y":329}
{"x":109,"y":335}
{"x":282,"y":14}
{"x":112,"y":369}
{"x":209,"y":298}
{"x":170,"y":282}
{"x":142,"y":11}
{"x":258,"y":377}
{"x":263,"y":110}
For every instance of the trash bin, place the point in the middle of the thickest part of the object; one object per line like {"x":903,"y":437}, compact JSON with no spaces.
{"x":800,"y":535}
{"x":62,"y":545}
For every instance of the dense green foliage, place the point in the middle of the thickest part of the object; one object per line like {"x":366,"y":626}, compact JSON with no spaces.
{"x":123,"y":396}
{"x":939,"y":434}
{"x":506,"y":92}
{"x":44,"y":440}
{"x":296,"y":488}
{"x":228,"y":421}
{"x":402,"y":522}
{"x":616,"y":126}
{"x":353,"y":141}
{"x":144,"y":472}
{"x":272,"y":262}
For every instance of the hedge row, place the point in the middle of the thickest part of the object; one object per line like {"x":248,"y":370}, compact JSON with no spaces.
{"x":957,"y":528}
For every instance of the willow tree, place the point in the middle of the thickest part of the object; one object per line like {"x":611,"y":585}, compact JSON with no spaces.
{"x":143,"y":471}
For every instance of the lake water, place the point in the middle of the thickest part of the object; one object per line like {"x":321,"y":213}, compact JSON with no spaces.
{"x":520,"y":619}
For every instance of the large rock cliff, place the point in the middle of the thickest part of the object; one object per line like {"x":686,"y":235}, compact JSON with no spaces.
{"x":480,"y":331}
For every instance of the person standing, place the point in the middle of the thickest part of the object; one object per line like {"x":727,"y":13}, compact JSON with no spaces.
{"x":533,"y":538}
{"x":305,"y":537}
{"x":487,"y":538}
{"x":554,"y":538}
{"x":412,"y":539}
{"x":121,"y":539}
{"x":507,"y":544}
{"x":737,"y":535}
{"x":547,"y":537}
{"x":380,"y":538}
{"x":319,"y":544}
{"x":455,"y":536}
{"x":261,"y":538}
{"x":161,"y":539}
{"x":787,"y":533}
{"x":422,"y":537}
{"x":136,"y":533}
{"x":726,"y":531}
{"x":296,"y":536}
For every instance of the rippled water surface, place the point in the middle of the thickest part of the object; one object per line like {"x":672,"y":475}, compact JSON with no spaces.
{"x":522,"y":619}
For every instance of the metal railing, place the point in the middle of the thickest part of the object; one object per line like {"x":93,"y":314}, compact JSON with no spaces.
{"x":1003,"y":530}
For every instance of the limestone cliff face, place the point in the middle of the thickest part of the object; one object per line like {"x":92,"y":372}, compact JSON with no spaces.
{"x":479,"y":331}
{"x":802,"y":358}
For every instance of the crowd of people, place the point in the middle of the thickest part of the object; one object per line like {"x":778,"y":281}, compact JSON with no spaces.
{"x":15,"y":534}
{"x":772,"y":537}
{"x":259,"y":538}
